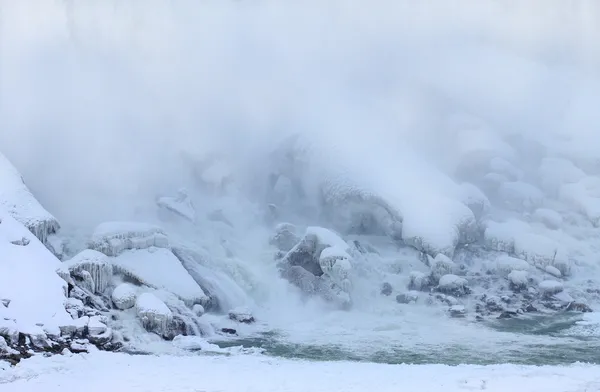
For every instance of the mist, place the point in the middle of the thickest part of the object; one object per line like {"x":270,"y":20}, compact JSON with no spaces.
{"x":100,"y":100}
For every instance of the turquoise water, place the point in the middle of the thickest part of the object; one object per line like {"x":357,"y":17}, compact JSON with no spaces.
{"x":564,"y":346}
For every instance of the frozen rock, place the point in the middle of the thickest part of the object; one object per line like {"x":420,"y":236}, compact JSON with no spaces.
{"x":550,"y":287}
{"x":500,"y":236}
{"x":96,"y":264}
{"x":285,"y":237}
{"x":18,"y":201}
{"x":337,"y":265}
{"x":9,"y":330}
{"x":440,"y":266}
{"x":123,"y":296}
{"x":518,"y":279}
{"x":96,"y":325}
{"x":553,"y":271}
{"x":153,"y":313}
{"x":506,"y":264}
{"x":198,"y":310}
{"x":159,"y":268}
{"x":556,"y":172}
{"x":36,"y":335}
{"x":418,"y":281}
{"x":584,"y":196}
{"x":242,"y":315}
{"x":453,"y":284}
{"x":386,"y":289}
{"x":475,"y":199}
{"x":75,"y":307}
{"x":457,"y":311}
{"x":563,"y":297}
{"x":81,"y":326}
{"x":181,"y":204}
{"x":112,"y":238}
{"x":80,"y":346}
{"x":406,"y":298}
{"x":542,"y":251}
{"x":5,"y":348}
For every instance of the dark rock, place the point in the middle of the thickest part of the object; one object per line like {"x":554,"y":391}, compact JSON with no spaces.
{"x":229,"y":331}
{"x":530,"y":308}
{"x":493,"y":304}
{"x":386,"y":289}
{"x":507,"y":314}
{"x":241,"y":316}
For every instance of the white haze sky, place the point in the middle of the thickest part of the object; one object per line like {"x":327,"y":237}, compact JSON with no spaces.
{"x":99,"y":97}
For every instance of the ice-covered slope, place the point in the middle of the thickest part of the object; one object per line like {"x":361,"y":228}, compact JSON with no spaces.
{"x":16,"y":198}
{"x":35,"y":294}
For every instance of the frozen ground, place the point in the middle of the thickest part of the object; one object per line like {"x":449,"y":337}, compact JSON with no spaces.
{"x":101,"y":372}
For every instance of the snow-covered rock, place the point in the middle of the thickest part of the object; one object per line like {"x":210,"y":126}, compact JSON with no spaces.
{"x":584,"y":196}
{"x":193,"y":343}
{"x":521,"y":195}
{"x":506,"y":264}
{"x":518,"y":279}
{"x":475,"y":199}
{"x":242,"y":315}
{"x":124,"y":295}
{"x":418,"y":281}
{"x":198,"y":310}
{"x":553,"y":271}
{"x":556,"y":172}
{"x":542,"y":251}
{"x":337,"y":265}
{"x":441,"y":265}
{"x":153,"y":313}
{"x":452,"y":224}
{"x":550,"y":287}
{"x":18,"y":201}
{"x":550,"y":218}
{"x":181,"y":204}
{"x":159,"y":268}
{"x":453,"y":284}
{"x":112,"y":238}
{"x":284,"y":237}
{"x":96,"y":264}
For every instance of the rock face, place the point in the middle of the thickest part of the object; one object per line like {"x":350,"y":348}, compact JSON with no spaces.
{"x":320,"y":265}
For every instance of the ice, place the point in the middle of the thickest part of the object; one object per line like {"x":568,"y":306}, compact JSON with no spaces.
{"x":96,"y":264}
{"x":18,"y":201}
{"x":556,"y":172}
{"x":521,"y":195}
{"x":153,"y":313}
{"x":160,"y":269}
{"x":550,"y":218}
{"x":326,"y":238}
{"x":584,"y":196}
{"x":336,"y":264}
{"x":124,"y":295}
{"x":506,"y":264}
{"x":475,"y":199}
{"x":28,"y":277}
{"x":181,"y":204}
{"x":112,"y":238}
{"x":442,"y":265}
{"x":193,"y":343}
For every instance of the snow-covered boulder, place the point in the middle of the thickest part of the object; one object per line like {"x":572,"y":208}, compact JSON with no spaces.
{"x":284,"y":237}
{"x":124,"y":296}
{"x":18,"y":201}
{"x":550,"y":287}
{"x":112,"y":238}
{"x":28,"y":280}
{"x":553,"y":271}
{"x":453,"y":285}
{"x":95,"y":264}
{"x":419,"y":281}
{"x":441,"y":265}
{"x":518,"y":279}
{"x":153,"y":313}
{"x":180,"y":205}
{"x":471,"y":196}
{"x":198,"y":310}
{"x":336,"y":263}
{"x":159,"y":268}
{"x":505,"y":264}
{"x":550,"y":218}
{"x":453,"y":223}
{"x":500,"y":236}
{"x":542,"y":251}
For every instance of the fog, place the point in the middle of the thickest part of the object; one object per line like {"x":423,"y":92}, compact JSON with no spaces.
{"x":100,"y":99}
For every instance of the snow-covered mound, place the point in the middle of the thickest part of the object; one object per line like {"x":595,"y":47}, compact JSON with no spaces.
{"x":112,"y":238}
{"x":30,"y":288}
{"x":160,"y":269}
{"x":16,"y":198}
{"x":181,"y":205}
{"x":153,"y":313}
{"x":124,"y":296}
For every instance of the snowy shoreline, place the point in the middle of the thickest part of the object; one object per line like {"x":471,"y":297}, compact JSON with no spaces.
{"x":101,"y":371}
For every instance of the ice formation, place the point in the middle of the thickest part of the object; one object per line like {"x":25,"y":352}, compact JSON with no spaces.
{"x":124,"y":295}
{"x":112,"y":238}
{"x":95,"y":264}
{"x":159,"y":268}
{"x":153,"y":313}
{"x":181,"y":204}
{"x":18,"y":201}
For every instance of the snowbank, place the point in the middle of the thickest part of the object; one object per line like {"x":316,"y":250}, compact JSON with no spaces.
{"x":28,"y":277}
{"x":103,"y":371}
{"x":16,"y":198}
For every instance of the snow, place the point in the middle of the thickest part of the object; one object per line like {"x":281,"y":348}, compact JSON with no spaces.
{"x":326,"y":237}
{"x":101,"y":371}
{"x":451,"y":282}
{"x":550,"y":287}
{"x":180,"y":204}
{"x":18,"y":201}
{"x":518,"y":278}
{"x":550,"y":218}
{"x":112,"y":238}
{"x":160,"y":269}
{"x":521,"y":195}
{"x":28,"y":277}
{"x":123,"y":296}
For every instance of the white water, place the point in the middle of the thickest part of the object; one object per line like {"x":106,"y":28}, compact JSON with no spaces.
{"x":100,"y":101}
